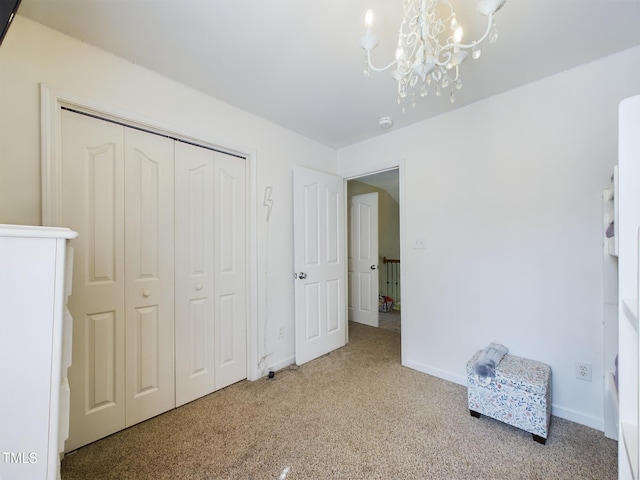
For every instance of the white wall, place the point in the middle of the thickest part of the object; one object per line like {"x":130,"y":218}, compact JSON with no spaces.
{"x":507,"y":193}
{"x":31,"y":54}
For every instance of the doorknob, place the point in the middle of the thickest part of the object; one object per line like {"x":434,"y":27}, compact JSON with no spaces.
{"x":373,"y":267}
{"x":302,"y":275}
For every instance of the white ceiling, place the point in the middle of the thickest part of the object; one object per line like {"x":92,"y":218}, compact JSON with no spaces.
{"x":297,"y":62}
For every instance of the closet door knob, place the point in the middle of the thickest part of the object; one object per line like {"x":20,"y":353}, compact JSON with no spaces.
{"x":146,"y":293}
{"x":198,"y":287}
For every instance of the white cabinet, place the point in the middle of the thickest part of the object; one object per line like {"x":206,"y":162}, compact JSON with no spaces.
{"x":610,"y":215}
{"x":628,"y":344}
{"x":610,"y":305}
{"x":35,"y":334}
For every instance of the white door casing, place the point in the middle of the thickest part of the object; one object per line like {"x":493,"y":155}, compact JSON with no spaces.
{"x":319,"y":262}
{"x":399,"y":165}
{"x":363,"y":264}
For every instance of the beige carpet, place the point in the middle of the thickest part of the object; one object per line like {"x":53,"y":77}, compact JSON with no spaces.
{"x":353,"y":414}
{"x":390,"y":320}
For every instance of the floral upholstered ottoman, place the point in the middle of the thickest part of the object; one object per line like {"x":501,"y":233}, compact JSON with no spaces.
{"x":519,"y":394}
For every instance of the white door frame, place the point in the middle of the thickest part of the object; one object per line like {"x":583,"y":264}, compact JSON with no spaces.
{"x":51,"y":102}
{"x":405,"y":325}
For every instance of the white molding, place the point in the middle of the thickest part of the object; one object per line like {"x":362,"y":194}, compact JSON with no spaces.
{"x":253,"y":331}
{"x":405,"y":324}
{"x":284,"y":363}
{"x":399,"y":165}
{"x":50,"y":156}
{"x":347,"y":239}
{"x":51,"y":102}
{"x":577,"y":417}
{"x":436,"y":372}
{"x":372,"y":169}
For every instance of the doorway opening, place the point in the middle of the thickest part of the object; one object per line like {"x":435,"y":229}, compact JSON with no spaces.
{"x":386,"y":302}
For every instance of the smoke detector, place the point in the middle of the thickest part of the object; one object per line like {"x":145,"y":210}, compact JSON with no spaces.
{"x":385,"y":122}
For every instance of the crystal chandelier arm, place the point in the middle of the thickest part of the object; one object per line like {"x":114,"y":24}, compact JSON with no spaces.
{"x":379,"y":69}
{"x":476,"y":42}
{"x":447,"y":58}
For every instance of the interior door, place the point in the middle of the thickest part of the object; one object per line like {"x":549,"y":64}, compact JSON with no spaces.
{"x":93,"y":205}
{"x":364,"y":258}
{"x":149,"y":272}
{"x":319,"y":262}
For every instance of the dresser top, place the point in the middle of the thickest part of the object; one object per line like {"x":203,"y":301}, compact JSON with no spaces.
{"x":33,"y":231}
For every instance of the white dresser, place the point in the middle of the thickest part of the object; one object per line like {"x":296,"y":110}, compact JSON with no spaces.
{"x":35,"y":350}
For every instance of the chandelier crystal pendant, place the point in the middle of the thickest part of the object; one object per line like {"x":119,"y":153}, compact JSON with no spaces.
{"x":430,"y":49}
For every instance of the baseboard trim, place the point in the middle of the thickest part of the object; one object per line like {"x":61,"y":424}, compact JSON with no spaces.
{"x":577,"y":417}
{"x":443,"y":374}
{"x":279,"y":365}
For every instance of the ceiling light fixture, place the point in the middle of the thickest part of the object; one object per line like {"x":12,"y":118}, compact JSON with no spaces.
{"x":427,"y":55}
{"x":385,"y":122}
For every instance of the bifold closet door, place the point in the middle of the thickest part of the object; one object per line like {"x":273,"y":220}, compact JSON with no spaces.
{"x":149,"y":275}
{"x":93,"y":205}
{"x":195,"y":369}
{"x":211,"y":346}
{"x":117,"y":193}
{"x":159,"y":296}
{"x":230,"y":263}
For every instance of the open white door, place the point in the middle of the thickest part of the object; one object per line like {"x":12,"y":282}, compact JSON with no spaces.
{"x":319,"y":262}
{"x":363,"y":264}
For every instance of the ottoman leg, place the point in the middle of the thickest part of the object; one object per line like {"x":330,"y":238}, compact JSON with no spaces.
{"x":474,"y":413}
{"x":539,"y":439}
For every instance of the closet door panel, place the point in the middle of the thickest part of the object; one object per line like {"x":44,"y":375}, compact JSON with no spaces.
{"x":230,"y":270}
{"x":93,"y":205}
{"x":149,"y":304}
{"x":101,"y":345}
{"x":227,"y":316}
{"x":145,"y":347}
{"x":194,"y":272}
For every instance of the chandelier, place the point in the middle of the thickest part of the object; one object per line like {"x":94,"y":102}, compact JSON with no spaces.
{"x":430,"y":49}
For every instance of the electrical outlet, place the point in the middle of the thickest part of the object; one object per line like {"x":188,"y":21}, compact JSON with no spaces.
{"x":420,"y":243}
{"x":281,"y":331}
{"x":583,"y":371}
